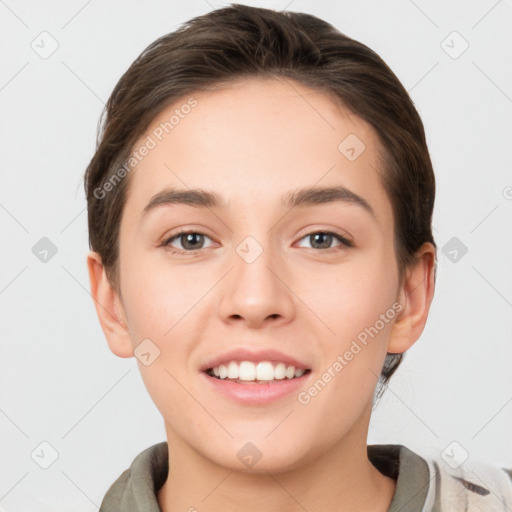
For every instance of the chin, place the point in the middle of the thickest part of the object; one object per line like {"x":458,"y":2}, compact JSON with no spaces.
{"x":258,"y":454}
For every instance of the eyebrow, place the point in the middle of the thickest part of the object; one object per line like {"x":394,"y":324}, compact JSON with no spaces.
{"x":303,"y":197}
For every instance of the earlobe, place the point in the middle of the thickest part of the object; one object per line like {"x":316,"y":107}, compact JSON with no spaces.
{"x":415,"y":296}
{"x":109,"y":308}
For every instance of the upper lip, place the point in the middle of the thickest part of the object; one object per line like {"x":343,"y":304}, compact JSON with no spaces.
{"x":256,"y":356}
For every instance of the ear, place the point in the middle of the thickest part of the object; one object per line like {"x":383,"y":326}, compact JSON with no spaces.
{"x":109,"y":308}
{"x":415,"y":295}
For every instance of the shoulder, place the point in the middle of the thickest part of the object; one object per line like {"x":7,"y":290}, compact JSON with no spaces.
{"x":136,"y":488}
{"x":472,"y":485}
{"x":434,"y":482}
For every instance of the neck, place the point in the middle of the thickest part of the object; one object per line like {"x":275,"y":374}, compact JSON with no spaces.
{"x":341,"y":479}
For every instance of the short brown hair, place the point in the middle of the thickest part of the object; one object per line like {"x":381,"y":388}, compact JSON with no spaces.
{"x":242,"y":41}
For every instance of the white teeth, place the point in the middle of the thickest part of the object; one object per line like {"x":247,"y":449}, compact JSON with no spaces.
{"x":247,"y":370}
{"x":290,"y":372}
{"x":223,"y":371}
{"x":280,"y":371}
{"x":232,"y":370}
{"x":262,"y":371}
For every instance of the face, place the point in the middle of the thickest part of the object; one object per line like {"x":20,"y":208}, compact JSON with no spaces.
{"x":315,"y":281}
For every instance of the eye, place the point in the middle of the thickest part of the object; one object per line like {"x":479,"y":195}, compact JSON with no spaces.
{"x":324,"y":239}
{"x":193,"y":240}
{"x":189,"y":240}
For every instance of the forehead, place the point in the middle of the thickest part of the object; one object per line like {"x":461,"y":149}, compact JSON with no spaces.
{"x":257,"y":139}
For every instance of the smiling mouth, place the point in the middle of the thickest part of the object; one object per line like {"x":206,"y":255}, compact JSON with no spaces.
{"x":249,"y":379}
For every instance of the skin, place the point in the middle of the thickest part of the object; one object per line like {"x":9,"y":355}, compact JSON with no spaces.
{"x":252,"y":141}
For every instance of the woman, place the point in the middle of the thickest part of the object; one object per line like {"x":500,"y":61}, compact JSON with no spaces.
{"x":260,"y":207}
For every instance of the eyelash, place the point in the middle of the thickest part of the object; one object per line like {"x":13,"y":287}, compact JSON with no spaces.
{"x":344,"y":241}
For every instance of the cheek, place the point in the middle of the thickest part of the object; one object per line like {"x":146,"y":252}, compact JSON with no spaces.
{"x":158,"y":299}
{"x":357,"y":315}
{"x":162,"y":307}
{"x":349,"y":298}
{"x":167,"y":306}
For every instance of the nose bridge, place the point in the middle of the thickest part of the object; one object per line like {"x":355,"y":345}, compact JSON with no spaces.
{"x":253,"y":228}
{"x":255,"y":290}
{"x":255,"y":257}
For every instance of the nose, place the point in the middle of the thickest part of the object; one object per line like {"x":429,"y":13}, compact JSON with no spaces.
{"x":258,"y":288}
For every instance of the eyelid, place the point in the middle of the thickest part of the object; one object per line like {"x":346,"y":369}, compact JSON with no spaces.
{"x":343,"y":235}
{"x":183,"y":231}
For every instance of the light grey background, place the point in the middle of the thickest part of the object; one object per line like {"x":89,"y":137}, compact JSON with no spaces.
{"x":61,"y":385}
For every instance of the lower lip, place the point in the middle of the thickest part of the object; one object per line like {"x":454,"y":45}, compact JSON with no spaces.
{"x":256,"y":393}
